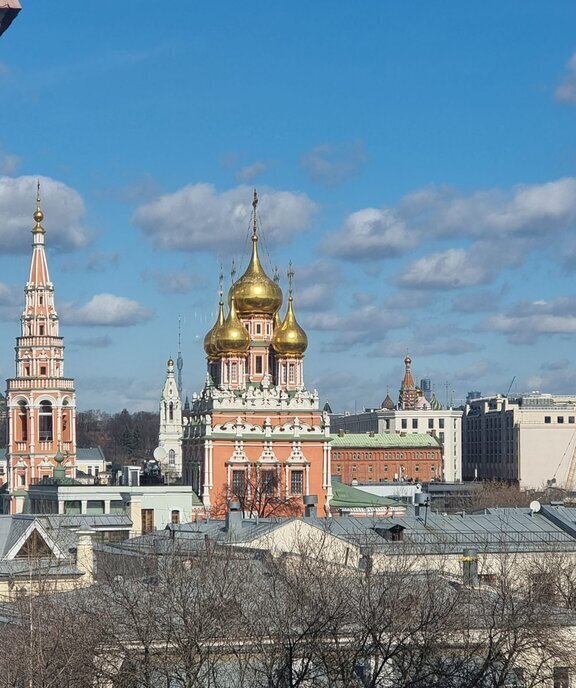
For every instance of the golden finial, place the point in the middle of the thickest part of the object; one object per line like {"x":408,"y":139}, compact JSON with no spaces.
{"x":221,"y":280}
{"x":276,"y":275}
{"x":290,"y":279}
{"x":38,"y":215}
{"x":233,"y":271}
{"x":254,"y":222}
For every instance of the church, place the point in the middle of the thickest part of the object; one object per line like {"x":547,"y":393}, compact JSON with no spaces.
{"x":254,"y":434}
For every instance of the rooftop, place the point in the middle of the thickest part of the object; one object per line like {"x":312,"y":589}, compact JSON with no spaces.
{"x":378,"y":440}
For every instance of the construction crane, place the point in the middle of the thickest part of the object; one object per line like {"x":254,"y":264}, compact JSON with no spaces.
{"x":510,"y":386}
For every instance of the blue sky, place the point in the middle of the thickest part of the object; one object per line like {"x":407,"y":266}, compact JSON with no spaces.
{"x":416,"y":162}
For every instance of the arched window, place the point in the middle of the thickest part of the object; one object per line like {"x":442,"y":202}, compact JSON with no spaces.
{"x":175,"y":516}
{"x":172,"y":457}
{"x":45,"y":431}
{"x":22,"y":434}
{"x":171,"y":411}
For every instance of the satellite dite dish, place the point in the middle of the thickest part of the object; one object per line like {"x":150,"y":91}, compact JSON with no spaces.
{"x":535,"y":506}
{"x":159,"y":454}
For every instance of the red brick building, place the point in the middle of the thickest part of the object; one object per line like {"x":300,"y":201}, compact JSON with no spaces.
{"x":386,"y":457}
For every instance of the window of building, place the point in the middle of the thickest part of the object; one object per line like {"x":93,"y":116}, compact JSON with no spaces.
{"x":291,"y":372}
{"x":258,"y":328}
{"x":441,"y":436}
{"x":560,"y":419}
{"x":41,"y":330}
{"x":45,"y":422}
{"x":430,"y":423}
{"x":268,"y":481}
{"x":571,"y":419}
{"x":239,"y":482}
{"x":370,"y":469}
{"x":172,"y":457}
{"x":404,"y":423}
{"x":338,"y":468}
{"x":27,"y":370}
{"x":175,"y":517}
{"x":22,"y":421}
{"x":441,"y":422}
{"x":147,"y":516}
{"x":354,"y":469}
{"x":233,"y":372}
{"x":416,"y":469}
{"x":170,"y":411}
{"x":547,"y":419}
{"x":267,"y":328}
{"x":297,"y":482}
{"x":42,"y":370}
{"x":385,"y":469}
{"x":259,"y":364}
{"x":414,"y":423}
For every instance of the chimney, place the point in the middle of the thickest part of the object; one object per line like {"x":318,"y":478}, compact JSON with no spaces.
{"x":233,"y":517}
{"x":85,"y":553}
{"x":340,"y":433}
{"x":470,"y":566}
{"x":310,"y":502}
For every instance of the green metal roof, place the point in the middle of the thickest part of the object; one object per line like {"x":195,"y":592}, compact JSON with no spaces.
{"x":383,"y":440}
{"x":346,"y":496}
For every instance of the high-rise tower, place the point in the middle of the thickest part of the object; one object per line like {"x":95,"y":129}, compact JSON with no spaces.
{"x":255,"y":433}
{"x":41,"y":401}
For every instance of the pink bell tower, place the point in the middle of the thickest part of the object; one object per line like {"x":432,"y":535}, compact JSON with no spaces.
{"x":41,"y":401}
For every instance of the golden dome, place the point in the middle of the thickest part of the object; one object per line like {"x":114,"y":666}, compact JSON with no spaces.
{"x":255,"y":292}
{"x":170,"y":362}
{"x":232,"y":337}
{"x":211,"y":338}
{"x":290,"y":339}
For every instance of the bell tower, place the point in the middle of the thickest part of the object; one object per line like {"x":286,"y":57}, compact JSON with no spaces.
{"x":41,"y":401}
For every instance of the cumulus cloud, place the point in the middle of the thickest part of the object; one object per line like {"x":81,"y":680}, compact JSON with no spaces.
{"x":198,"y":217}
{"x":451,"y":269}
{"x":566,"y":89}
{"x":250,"y":172}
{"x":523,"y":217}
{"x":106,"y":309}
{"x":334,"y":163}
{"x":370,"y":234}
{"x":63,"y":209}
{"x":528,"y":320}
{"x":482,"y":301}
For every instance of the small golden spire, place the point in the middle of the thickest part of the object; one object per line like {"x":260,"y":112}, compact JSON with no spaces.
{"x":221,"y":280}
{"x":38,"y":215}
{"x":289,"y":338}
{"x":233,"y":271}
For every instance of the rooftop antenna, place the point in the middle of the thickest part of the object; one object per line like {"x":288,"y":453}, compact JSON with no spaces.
{"x":179,"y":360}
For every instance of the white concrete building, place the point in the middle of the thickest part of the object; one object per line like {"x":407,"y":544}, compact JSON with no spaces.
{"x":445,"y":424}
{"x":150,"y":507}
{"x":529,"y":439}
{"x":170,"y":435}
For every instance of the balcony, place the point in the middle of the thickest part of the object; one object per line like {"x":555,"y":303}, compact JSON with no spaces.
{"x":23,"y":383}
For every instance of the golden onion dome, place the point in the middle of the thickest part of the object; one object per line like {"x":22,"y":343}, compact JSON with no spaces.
{"x":211,"y":339}
{"x":232,"y":337}
{"x":290,"y":339}
{"x":255,"y":292}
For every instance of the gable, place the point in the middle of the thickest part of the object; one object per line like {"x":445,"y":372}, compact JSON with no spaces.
{"x":34,"y":546}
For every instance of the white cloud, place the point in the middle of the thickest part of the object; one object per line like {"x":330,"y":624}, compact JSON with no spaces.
{"x":566,"y":89}
{"x":370,"y":234}
{"x":198,"y":217}
{"x":63,"y":209}
{"x":525,"y":322}
{"x":9,"y":163}
{"x":106,"y":309}
{"x":333,"y":164}
{"x":250,"y":172}
{"x":451,"y":269}
{"x":99,"y":342}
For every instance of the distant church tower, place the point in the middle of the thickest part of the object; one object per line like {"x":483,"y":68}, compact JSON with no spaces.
{"x":41,"y":401}
{"x":408,"y":392}
{"x":170,"y":436}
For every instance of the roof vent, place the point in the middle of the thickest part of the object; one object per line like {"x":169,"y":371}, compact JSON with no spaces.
{"x":340,"y":433}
